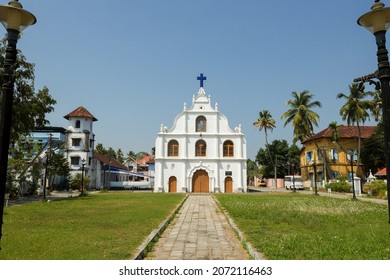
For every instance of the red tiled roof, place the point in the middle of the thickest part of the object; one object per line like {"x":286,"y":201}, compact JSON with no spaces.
{"x":345,"y":132}
{"x":108,"y":161}
{"x":146,"y":160}
{"x":381,"y":172}
{"x":80,"y":112}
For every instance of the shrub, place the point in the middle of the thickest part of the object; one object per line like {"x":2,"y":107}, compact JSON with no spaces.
{"x":376,"y":188}
{"x":340,"y":187}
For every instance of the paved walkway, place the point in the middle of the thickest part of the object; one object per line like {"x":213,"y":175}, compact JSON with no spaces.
{"x":200,"y":231}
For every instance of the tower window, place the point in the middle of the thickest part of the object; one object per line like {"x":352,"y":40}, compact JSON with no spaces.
{"x":78,"y":124}
{"x":76,"y":142}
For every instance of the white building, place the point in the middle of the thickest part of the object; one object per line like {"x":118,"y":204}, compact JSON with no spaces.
{"x":200,"y":153}
{"x":79,"y":140}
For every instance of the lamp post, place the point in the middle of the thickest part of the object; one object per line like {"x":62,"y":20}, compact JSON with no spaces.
{"x":14,"y":18}
{"x":377,"y":21}
{"x":315,"y":176}
{"x":293,"y":172}
{"x":82,"y":176}
{"x":351,"y":153}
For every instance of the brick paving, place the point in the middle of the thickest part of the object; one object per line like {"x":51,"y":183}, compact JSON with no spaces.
{"x":200,"y":231}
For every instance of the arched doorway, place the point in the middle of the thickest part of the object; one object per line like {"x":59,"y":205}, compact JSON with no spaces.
{"x":172,"y":184}
{"x":200,"y":182}
{"x":228,"y":185}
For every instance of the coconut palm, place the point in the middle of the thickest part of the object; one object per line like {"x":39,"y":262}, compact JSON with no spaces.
{"x":356,"y":109}
{"x":301,"y":115}
{"x":266,"y":122}
{"x":335,"y":133}
{"x":376,"y":104}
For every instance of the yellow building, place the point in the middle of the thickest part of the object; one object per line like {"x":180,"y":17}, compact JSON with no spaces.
{"x":330,"y":160}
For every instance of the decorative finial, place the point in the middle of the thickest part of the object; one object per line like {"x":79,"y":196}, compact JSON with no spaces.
{"x":377,"y":5}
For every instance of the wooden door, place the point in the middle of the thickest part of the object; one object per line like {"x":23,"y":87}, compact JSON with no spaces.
{"x":200,"y":182}
{"x":172,"y":184}
{"x":228,"y":185}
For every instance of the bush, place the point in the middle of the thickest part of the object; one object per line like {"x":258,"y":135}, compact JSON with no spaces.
{"x":376,"y":188}
{"x":340,"y":187}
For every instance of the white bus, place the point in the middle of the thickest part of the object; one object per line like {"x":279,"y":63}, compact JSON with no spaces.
{"x":289,"y":184}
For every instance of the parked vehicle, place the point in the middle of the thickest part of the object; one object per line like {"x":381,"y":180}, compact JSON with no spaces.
{"x":289,"y":184}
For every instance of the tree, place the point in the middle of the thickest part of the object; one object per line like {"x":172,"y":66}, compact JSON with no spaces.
{"x":58,"y":166}
{"x":373,"y":151}
{"x":301,"y":115}
{"x":119,"y":155}
{"x":355,"y":110}
{"x":29,"y":107}
{"x":265,"y":122}
{"x":252,"y":170}
{"x":75,"y":181}
{"x":335,"y":133}
{"x":376,"y":104}
{"x":100,"y":148}
{"x":284,"y":157}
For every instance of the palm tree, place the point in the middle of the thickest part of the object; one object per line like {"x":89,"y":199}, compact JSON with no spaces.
{"x":335,"y":132}
{"x":355,"y":110}
{"x":301,"y":115}
{"x":376,"y":104}
{"x":266,"y":122}
{"x":303,"y":118}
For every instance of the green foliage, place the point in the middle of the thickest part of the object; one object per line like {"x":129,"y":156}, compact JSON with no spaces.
{"x":376,"y":189}
{"x":301,"y":115}
{"x":76,"y":183}
{"x":372,"y":154}
{"x":341,"y":186}
{"x":29,"y":107}
{"x":284,"y":156}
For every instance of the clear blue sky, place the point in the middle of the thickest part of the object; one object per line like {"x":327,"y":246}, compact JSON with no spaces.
{"x":133,"y":64}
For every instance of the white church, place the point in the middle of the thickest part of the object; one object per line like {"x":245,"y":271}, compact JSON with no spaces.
{"x":200,"y":153}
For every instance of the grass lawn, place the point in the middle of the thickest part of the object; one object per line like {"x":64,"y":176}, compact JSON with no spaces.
{"x":96,"y":227}
{"x":306,"y":227}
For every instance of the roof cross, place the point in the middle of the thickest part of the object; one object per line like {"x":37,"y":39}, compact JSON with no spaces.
{"x":201,"y":78}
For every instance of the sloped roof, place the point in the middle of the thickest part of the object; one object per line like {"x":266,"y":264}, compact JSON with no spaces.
{"x":381,"y":172}
{"x":345,"y":131}
{"x":146,"y":160}
{"x":80,"y":112}
{"x":109,"y":161}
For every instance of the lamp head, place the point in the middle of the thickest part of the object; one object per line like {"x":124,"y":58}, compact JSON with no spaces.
{"x":13,"y":16}
{"x":378,"y":19}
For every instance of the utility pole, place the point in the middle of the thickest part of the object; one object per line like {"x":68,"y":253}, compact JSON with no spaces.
{"x":276,"y":183}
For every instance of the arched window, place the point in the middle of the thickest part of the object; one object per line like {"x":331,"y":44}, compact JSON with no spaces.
{"x":201,"y":124}
{"x":228,"y":148}
{"x":200,"y":148}
{"x":173,"y":148}
{"x":77,"y":124}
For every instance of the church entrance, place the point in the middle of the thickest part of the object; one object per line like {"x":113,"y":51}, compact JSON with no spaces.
{"x":172,"y":184}
{"x":200,"y":182}
{"x":228,"y":185}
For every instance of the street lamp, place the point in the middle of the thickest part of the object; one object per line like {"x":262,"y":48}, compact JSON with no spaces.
{"x":351,"y":153}
{"x":15,"y":19}
{"x":293,"y":171}
{"x":82,"y":175}
{"x":313,"y":162}
{"x":377,"y":21}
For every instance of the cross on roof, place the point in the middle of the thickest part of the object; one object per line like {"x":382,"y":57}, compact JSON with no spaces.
{"x":201,"y":78}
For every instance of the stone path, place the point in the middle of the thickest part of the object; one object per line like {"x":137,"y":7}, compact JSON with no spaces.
{"x":200,"y":231}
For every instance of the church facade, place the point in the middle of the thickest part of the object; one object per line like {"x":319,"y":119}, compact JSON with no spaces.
{"x":200,"y":153}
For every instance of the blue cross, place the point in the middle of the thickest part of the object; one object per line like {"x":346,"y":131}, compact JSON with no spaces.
{"x":201,"y":78}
